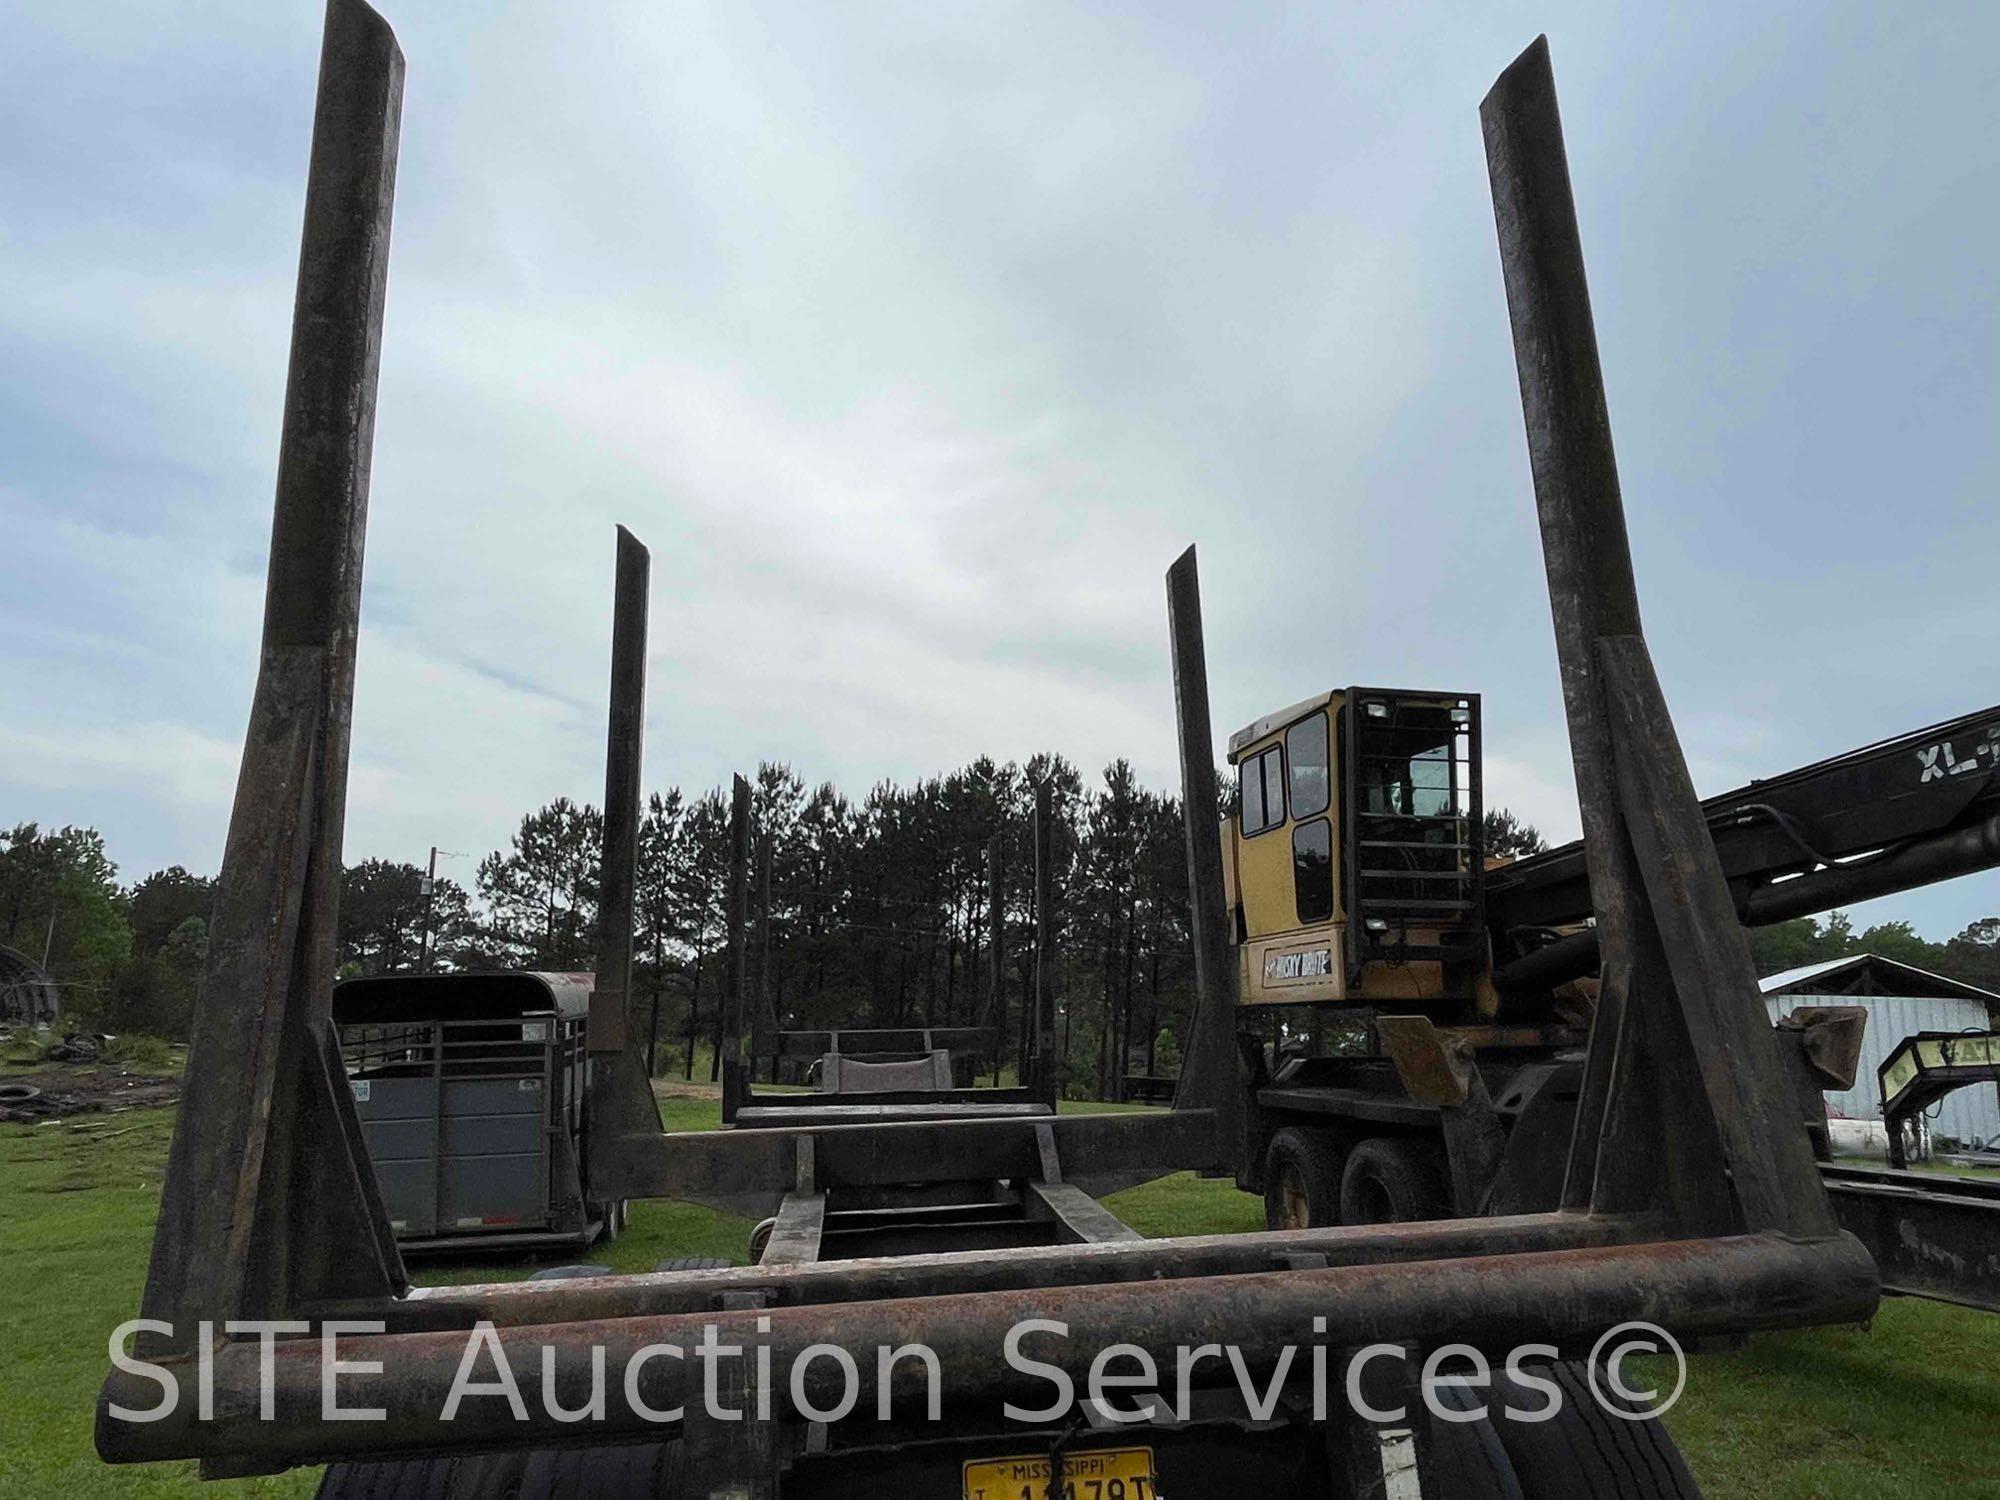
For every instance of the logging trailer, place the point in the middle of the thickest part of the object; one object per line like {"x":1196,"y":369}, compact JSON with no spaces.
{"x":1687,"y":1195}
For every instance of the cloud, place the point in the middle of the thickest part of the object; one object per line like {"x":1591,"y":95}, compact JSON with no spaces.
{"x":917,"y":340}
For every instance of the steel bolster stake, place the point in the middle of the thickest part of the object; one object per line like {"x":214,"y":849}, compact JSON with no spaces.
{"x":269,"y":1197}
{"x":621,"y":1095}
{"x":1212,"y":1077}
{"x":1682,"y":1078}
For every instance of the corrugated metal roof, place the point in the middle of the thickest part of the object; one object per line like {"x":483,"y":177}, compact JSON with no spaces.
{"x":1794,"y":980}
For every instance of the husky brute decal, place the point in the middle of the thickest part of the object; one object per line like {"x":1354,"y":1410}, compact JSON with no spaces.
{"x":1314,"y":963}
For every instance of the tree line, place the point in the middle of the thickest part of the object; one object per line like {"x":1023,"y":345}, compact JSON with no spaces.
{"x":877,"y":914}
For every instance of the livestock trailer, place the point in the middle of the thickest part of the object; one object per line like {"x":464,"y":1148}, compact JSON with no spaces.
{"x":471,"y":1091}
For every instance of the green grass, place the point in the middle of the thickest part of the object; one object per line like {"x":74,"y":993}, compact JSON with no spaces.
{"x":1910,"y":1408}
{"x":76,"y":1219}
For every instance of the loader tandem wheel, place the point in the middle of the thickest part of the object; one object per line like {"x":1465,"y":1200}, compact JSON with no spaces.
{"x":1393,"y":1180}
{"x":1301,"y":1181}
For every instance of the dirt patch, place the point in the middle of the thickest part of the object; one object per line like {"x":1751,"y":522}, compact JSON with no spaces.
{"x":52,"y":1093}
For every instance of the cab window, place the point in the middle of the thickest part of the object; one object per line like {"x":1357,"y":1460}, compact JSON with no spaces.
{"x":1312,"y":870}
{"x":1305,"y":748}
{"x":1261,"y":782}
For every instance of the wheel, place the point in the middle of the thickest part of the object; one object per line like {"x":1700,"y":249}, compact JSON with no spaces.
{"x":1393,"y":1180}
{"x":1586,"y":1450}
{"x":760,"y":1237}
{"x":632,"y":1471}
{"x":1301,"y":1181}
{"x":694,"y":1263}
{"x":1583,"y":1452}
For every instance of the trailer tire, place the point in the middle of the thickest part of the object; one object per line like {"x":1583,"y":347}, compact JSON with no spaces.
{"x":631,"y":1471}
{"x":1302,"y":1181}
{"x":1583,"y":1452}
{"x":1584,"y":1449}
{"x":1393,"y":1180}
{"x":760,"y":1238}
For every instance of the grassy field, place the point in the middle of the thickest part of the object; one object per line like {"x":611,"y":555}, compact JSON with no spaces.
{"x":1908,"y":1408}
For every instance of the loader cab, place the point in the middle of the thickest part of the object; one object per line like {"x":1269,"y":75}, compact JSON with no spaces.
{"x":1353,"y":861}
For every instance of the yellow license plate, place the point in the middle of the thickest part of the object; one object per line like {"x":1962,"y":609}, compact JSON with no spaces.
{"x":1106,"y":1474}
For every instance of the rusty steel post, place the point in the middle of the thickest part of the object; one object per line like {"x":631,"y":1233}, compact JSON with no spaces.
{"x":269,"y":1197}
{"x":734,"y":1063}
{"x":621,"y":1098}
{"x":764,"y":1030}
{"x":1678,"y":1000}
{"x":996,"y":953}
{"x":1041,"y":1039}
{"x":1210,"y":1072}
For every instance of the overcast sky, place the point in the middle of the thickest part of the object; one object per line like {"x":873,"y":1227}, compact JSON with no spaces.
{"x":916,"y":340}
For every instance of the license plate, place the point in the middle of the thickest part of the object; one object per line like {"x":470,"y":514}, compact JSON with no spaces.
{"x":1106,"y":1474}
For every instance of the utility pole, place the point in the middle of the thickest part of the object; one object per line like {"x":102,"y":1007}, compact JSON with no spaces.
{"x":429,"y":892}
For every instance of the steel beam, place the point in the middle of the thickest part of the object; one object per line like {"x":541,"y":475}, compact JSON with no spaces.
{"x":940,"y":1274}
{"x":1040,"y":1039}
{"x":746,"y":1171}
{"x":269,"y":1196}
{"x":1680,"y":1029}
{"x":621,"y":1098}
{"x":735,"y":1058}
{"x":1930,"y":1236}
{"x":1080,"y":1218}
{"x":1211,"y":1072}
{"x":1693,"y":1289}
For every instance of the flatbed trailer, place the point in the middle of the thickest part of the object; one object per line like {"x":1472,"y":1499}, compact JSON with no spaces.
{"x":1689,"y":1199}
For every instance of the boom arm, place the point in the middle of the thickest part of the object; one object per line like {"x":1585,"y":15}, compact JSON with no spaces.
{"x":1888,"y":817}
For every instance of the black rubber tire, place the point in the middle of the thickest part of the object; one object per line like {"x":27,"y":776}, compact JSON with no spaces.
{"x":1582,"y":1452}
{"x":18,"y":1093}
{"x":1584,"y":1449}
{"x":760,"y":1238}
{"x":695,"y":1263}
{"x":1302,"y":1179}
{"x":1467,"y":1460}
{"x":632,"y":1471}
{"x":1393,"y":1180}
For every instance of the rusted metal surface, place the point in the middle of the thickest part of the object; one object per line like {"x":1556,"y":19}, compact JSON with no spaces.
{"x":1184,"y":1259}
{"x":620,"y":1097}
{"x":735,"y":994}
{"x":1211,"y":1077}
{"x":1436,"y":1068}
{"x":1695,"y":1116}
{"x":1039,"y":1038}
{"x":745,"y":1170}
{"x":1692,"y":1289}
{"x":1930,"y":1235}
{"x":1830,"y":1041}
{"x":269,"y":1200}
